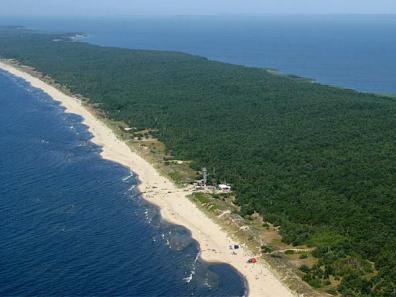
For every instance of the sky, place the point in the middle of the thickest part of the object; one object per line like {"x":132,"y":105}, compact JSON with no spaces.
{"x":192,"y":7}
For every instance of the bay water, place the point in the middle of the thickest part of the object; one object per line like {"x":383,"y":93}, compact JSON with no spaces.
{"x":73,"y":223}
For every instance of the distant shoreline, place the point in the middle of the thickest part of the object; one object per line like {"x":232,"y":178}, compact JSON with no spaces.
{"x":174,"y":206}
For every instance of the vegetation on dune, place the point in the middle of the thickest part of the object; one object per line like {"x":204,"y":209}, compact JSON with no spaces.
{"x":316,"y":160}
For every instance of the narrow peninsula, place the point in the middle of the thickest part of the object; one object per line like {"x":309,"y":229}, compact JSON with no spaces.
{"x":312,"y":167}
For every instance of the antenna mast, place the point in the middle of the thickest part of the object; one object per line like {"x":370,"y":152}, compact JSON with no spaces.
{"x":205,"y":176}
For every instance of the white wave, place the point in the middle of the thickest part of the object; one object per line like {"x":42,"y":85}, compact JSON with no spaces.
{"x":126,"y":178}
{"x":189,"y":278}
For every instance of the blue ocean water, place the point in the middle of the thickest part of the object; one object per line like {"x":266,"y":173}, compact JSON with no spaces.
{"x":349,"y":51}
{"x":72,"y":223}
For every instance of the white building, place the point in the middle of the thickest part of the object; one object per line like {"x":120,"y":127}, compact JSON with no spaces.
{"x":224,"y":188}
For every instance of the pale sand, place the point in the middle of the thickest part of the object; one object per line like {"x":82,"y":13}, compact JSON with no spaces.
{"x":172,"y":202}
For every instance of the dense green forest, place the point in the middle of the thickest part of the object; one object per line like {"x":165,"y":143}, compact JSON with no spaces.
{"x":318,"y":161}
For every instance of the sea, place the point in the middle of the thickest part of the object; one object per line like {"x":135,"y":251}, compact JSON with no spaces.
{"x":349,"y":51}
{"x":73,"y":224}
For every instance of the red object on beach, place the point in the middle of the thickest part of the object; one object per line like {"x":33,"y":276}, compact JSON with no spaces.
{"x":252,"y":260}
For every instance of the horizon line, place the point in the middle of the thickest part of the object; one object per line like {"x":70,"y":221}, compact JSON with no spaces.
{"x":207,"y":15}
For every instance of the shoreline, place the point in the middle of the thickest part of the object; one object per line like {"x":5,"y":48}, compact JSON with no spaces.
{"x":171,"y":200}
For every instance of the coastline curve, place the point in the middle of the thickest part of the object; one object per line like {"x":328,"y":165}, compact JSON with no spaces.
{"x":171,"y":201}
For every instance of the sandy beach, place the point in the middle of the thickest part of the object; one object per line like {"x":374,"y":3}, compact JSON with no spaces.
{"x":175,"y":207}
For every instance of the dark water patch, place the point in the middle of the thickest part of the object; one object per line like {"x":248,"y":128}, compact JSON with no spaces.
{"x":73,"y":223}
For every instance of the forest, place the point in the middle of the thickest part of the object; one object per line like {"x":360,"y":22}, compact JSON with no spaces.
{"x":316,"y":160}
